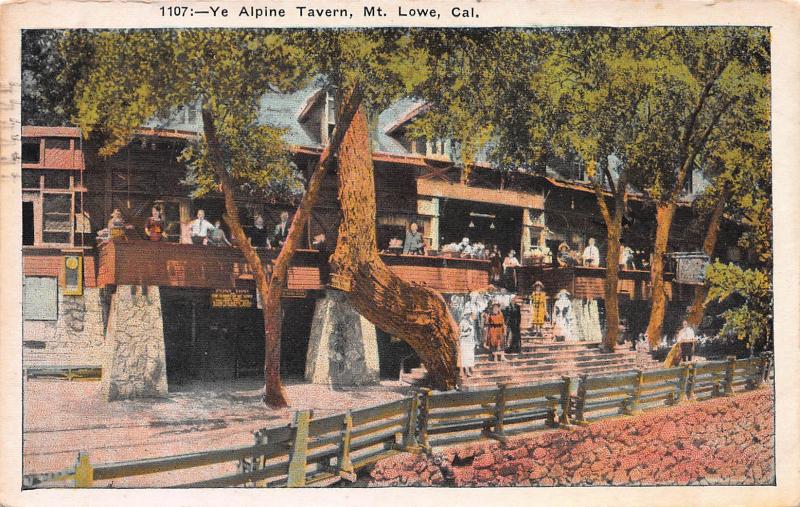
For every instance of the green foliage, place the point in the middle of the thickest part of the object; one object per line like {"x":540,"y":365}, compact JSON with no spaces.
{"x":749,"y":291}
{"x":139,"y":75}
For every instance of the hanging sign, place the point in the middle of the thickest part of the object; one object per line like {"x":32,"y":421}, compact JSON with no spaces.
{"x":233,"y":298}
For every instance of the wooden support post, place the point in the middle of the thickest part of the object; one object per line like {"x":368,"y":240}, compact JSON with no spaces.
{"x":84,"y":473}
{"x":729,"y":369}
{"x":499,"y":413}
{"x":299,"y":453}
{"x":764,"y":369}
{"x":580,"y":401}
{"x":632,"y":407}
{"x":343,"y":462}
{"x":410,"y":443}
{"x":422,"y":422}
{"x":566,"y":400}
{"x":682,"y":383}
{"x":552,"y":412}
{"x":690,"y":382}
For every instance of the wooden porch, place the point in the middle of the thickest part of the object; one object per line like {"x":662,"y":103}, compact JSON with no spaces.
{"x":198,"y":266}
{"x":587,"y":282}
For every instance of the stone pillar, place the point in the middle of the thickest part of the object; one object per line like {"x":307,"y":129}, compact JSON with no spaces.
{"x":135,"y":364}
{"x":343,"y":346}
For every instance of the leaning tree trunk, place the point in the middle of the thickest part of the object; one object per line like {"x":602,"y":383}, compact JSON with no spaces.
{"x":274,"y":395}
{"x":410,"y":312}
{"x":664,"y":215}
{"x":611,"y":282}
{"x":270,"y":288}
{"x":701,"y":291}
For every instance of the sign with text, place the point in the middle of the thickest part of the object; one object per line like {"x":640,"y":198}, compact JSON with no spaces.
{"x":233,"y":298}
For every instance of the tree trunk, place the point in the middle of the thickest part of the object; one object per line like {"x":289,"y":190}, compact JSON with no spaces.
{"x":701,"y":292}
{"x":274,"y":395}
{"x":611,"y":282}
{"x":270,"y":288}
{"x":274,"y":390}
{"x":410,"y":312}
{"x":664,"y":215}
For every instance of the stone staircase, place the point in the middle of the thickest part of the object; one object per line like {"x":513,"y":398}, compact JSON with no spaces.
{"x":542,"y":359}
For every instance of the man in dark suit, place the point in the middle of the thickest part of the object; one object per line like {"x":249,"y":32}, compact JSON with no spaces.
{"x":281,"y":230}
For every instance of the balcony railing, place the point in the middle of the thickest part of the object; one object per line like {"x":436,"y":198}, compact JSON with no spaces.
{"x":199,"y":266}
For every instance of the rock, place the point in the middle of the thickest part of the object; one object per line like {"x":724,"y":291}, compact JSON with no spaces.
{"x":483,"y":461}
{"x":539,"y":453}
{"x":667,"y":432}
{"x":517,"y":453}
{"x":537,"y":472}
{"x":635,"y":475}
{"x":619,"y":478}
{"x":484,"y":475}
{"x":507,"y":470}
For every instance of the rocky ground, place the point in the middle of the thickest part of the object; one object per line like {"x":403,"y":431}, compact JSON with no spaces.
{"x":62,"y":418}
{"x":719,"y":441}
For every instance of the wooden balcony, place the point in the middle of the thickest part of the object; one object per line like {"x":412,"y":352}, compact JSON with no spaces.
{"x":197,"y":266}
{"x":588,"y":283}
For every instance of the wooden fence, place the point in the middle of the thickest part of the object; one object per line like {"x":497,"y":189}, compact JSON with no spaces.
{"x":313,"y":450}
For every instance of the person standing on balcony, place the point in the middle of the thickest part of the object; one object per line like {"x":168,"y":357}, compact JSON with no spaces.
{"x":154,"y":226}
{"x":320,"y":244}
{"x":495,"y":332}
{"x":216,"y":237}
{"x":509,"y":273}
{"x":413,"y":244}
{"x":258,"y":234}
{"x":281,"y":230}
{"x":591,"y":255}
{"x":625,"y":257}
{"x":199,"y":228}
{"x":686,"y":339}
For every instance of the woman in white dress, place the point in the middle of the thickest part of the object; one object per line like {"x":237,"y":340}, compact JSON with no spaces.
{"x":563,"y":317}
{"x":467,"y":344}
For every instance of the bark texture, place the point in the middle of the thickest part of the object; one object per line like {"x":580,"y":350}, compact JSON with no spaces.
{"x":709,"y":243}
{"x":664,"y":215}
{"x":411,"y":312}
{"x":274,"y":394}
{"x":274,"y":390}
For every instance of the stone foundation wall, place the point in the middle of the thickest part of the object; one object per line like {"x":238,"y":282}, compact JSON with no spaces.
{"x":720,"y":441}
{"x":343,"y":345}
{"x":76,"y":338}
{"x":134,"y":363}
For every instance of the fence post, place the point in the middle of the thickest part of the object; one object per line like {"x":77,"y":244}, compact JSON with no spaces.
{"x":343,"y":463}
{"x":84,"y":473}
{"x":729,"y":369}
{"x":580,"y":401}
{"x":690,"y":382}
{"x":632,"y":407}
{"x":422,"y":422}
{"x":683,"y":382}
{"x":297,"y":461}
{"x":566,"y":400}
{"x":766,"y":363}
{"x":499,"y":414}
{"x":410,"y":443}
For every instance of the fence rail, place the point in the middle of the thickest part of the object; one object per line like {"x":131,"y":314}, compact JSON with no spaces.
{"x":312,"y":450}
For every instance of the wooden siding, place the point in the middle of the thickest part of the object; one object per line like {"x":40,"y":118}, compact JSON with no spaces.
{"x":177,"y":265}
{"x":588,"y":283}
{"x":50,"y":262}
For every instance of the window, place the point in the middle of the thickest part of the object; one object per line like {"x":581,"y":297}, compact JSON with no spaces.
{"x":329,"y":115}
{"x":28,"y":234}
{"x":32,"y":178}
{"x":56,"y":213}
{"x":688,"y":187}
{"x":40,"y":298}
{"x":31,"y":154}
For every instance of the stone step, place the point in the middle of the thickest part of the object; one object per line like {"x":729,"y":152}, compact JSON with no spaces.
{"x":554,"y":355}
{"x":491,"y":365}
{"x":522,"y":370}
{"x":472,"y":383}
